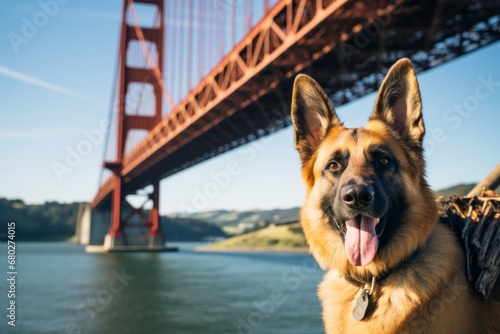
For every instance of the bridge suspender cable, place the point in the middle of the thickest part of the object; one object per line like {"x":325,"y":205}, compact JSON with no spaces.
{"x":147,"y":54}
{"x":110,"y":118}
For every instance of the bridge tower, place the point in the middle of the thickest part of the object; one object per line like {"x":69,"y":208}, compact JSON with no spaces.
{"x":124,"y":215}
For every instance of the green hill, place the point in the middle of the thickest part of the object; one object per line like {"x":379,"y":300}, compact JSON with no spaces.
{"x":57,"y":221}
{"x":233,"y":218}
{"x":48,"y":221}
{"x":458,"y":190}
{"x":272,"y":238}
{"x":189,"y":229}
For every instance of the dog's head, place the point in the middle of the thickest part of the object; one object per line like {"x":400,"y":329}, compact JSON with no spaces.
{"x":368,"y":205}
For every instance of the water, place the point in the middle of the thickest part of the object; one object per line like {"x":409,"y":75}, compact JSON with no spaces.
{"x":61,"y":289}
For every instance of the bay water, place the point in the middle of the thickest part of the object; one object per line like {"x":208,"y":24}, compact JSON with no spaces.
{"x":62,"y":289}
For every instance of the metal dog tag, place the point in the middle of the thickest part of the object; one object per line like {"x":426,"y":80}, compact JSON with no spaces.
{"x":361,"y":306}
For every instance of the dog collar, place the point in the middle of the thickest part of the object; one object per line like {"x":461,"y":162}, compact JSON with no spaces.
{"x":363,"y":301}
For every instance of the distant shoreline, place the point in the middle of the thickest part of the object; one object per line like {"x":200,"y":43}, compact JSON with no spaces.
{"x":208,"y":249}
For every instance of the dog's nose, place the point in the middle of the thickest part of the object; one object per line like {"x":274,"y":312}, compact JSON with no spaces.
{"x":357,"y":195}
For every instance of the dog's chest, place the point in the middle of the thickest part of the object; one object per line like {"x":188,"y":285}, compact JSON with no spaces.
{"x":386,"y":311}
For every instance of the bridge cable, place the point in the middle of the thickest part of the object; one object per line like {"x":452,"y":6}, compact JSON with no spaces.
{"x":110,"y":116}
{"x":145,"y":49}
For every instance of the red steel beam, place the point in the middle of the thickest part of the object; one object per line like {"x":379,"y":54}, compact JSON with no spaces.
{"x":278,"y":38}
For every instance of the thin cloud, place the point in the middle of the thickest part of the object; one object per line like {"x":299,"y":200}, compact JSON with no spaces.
{"x":47,"y":85}
{"x":37,"y":133}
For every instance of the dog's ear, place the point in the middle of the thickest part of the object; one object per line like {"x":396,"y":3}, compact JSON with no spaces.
{"x":312,"y":115}
{"x":399,"y":104}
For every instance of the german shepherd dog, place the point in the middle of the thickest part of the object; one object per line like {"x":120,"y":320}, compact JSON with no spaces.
{"x":371,"y":219}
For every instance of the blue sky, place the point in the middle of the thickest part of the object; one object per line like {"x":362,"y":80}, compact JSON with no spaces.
{"x":57,"y":87}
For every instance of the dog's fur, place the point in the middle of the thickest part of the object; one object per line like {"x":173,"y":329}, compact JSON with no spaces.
{"x":419,"y":266}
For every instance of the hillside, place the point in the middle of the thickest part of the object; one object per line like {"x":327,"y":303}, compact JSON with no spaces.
{"x":55,"y":221}
{"x":272,"y":238}
{"x":189,"y":229}
{"x":458,"y":190}
{"x":233,"y":218}
{"x":48,"y":221}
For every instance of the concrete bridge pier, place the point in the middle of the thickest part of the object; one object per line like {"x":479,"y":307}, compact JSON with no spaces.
{"x":93,"y":230}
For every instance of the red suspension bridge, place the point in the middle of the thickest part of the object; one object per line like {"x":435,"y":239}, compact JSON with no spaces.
{"x":197,"y":78}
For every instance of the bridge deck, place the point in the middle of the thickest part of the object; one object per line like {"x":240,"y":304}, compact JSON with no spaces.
{"x":345,"y":45}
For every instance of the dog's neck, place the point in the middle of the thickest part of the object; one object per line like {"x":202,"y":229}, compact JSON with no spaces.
{"x":365,"y":278}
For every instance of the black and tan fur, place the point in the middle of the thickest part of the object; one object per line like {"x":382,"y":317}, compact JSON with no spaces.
{"x":419,"y":266}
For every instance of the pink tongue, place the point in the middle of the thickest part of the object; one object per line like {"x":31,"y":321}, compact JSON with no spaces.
{"x":361,"y":241}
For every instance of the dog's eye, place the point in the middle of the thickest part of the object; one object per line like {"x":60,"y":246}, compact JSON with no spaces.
{"x":384,"y":161}
{"x":332,"y":166}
